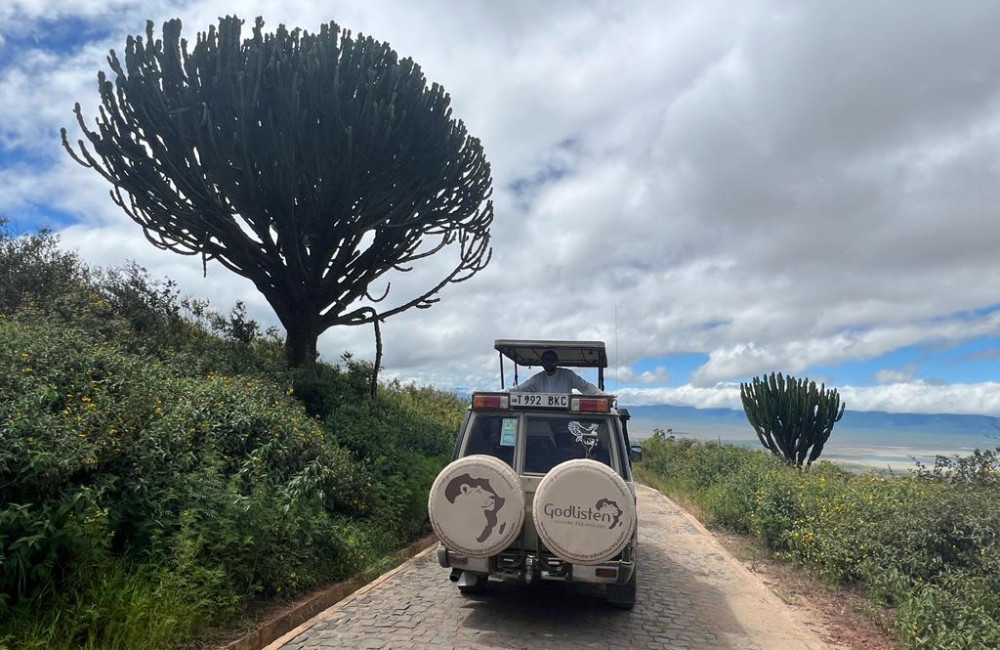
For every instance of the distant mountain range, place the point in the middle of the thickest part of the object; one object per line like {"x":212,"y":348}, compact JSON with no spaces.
{"x":862,"y":439}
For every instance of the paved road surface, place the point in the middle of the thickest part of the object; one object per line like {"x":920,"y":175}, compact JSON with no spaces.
{"x":692,"y":595}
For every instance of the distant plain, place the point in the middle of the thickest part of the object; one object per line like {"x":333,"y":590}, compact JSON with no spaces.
{"x":861,"y":440}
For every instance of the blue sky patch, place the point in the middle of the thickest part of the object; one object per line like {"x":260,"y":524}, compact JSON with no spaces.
{"x":60,"y":37}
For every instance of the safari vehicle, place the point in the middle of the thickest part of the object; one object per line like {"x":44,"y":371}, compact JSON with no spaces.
{"x":541,"y":486}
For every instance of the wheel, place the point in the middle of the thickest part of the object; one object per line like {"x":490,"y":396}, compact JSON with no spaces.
{"x":622,"y":596}
{"x":472,"y":583}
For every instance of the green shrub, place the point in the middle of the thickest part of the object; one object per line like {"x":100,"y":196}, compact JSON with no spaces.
{"x":160,"y":468}
{"x":42,"y":544}
{"x":35,"y":272}
{"x":836,"y":521}
{"x":400,"y":442}
{"x":105,"y":452}
{"x":980,"y":468}
{"x":959,"y":613}
{"x":729,"y":502}
{"x":927,"y":545}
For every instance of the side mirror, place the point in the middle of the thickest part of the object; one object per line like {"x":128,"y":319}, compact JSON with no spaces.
{"x":635,"y":453}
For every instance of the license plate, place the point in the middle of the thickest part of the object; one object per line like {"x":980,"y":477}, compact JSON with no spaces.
{"x":539,"y":400}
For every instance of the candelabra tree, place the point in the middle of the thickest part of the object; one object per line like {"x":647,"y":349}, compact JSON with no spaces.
{"x":313,"y":164}
{"x":792,"y":417}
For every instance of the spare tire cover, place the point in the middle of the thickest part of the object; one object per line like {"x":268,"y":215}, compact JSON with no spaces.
{"x":476,"y":506}
{"x":584,"y":512}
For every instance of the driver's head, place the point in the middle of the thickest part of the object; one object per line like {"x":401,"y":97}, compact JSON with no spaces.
{"x":549,"y":360}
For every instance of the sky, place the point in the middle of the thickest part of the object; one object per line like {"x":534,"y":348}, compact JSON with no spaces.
{"x":717,"y":190}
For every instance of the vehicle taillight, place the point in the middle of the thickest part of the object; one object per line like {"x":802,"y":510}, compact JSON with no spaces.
{"x":591,"y":404}
{"x":490,"y":402}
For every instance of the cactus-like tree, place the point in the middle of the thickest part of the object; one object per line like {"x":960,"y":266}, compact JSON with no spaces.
{"x":792,"y":417}
{"x":312,"y":164}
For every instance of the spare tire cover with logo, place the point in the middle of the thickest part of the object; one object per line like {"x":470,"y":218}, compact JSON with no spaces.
{"x":476,"y":506}
{"x":584,"y":512}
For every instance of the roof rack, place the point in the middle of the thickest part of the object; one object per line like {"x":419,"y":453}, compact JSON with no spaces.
{"x":572,"y":354}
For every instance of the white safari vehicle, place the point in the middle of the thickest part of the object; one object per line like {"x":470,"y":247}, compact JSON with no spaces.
{"x":540,"y":487}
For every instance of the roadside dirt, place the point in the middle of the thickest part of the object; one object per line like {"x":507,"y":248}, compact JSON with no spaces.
{"x":841,"y":616}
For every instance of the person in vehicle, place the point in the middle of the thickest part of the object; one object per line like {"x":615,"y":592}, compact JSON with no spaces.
{"x":553,"y":379}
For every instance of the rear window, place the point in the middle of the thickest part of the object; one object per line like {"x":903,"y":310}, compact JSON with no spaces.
{"x":553,"y":440}
{"x":493,"y":435}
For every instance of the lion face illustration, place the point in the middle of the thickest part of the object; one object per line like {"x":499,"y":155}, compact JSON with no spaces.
{"x":476,"y":495}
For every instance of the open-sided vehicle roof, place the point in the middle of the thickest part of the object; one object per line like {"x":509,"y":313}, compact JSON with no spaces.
{"x":574,"y":354}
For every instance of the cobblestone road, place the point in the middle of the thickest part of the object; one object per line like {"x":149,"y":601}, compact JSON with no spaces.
{"x":692,"y":595}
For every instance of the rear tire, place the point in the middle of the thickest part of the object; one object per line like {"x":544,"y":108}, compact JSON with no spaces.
{"x":474,"y":584}
{"x":622,"y":596}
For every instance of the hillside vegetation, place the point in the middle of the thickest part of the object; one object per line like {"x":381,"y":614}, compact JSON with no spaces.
{"x":161,"y":470}
{"x":925,"y":545}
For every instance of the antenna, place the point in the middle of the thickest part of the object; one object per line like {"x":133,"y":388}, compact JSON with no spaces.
{"x":616,"y":348}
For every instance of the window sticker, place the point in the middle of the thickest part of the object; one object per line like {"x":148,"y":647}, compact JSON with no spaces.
{"x":508,"y":432}
{"x":585,"y":435}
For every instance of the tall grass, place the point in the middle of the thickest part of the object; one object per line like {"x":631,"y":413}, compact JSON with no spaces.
{"x":926,"y":544}
{"x":121,"y":608}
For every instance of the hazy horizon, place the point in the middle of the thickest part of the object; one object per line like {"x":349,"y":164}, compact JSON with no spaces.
{"x":895,"y":448}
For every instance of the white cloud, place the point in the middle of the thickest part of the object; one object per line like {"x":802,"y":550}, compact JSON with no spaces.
{"x":903,"y":397}
{"x":627,"y":375}
{"x":797,"y":355}
{"x":921,"y":397}
{"x":722,"y":396}
{"x":896,"y":375}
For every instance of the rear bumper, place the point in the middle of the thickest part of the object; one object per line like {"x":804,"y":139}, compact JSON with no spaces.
{"x":522,"y":566}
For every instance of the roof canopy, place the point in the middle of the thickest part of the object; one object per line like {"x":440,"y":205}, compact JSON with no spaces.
{"x":574,"y":354}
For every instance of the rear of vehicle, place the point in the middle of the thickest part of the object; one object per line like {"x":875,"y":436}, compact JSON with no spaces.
{"x":571,"y":450}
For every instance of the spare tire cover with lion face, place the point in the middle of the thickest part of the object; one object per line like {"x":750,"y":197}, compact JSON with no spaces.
{"x":476,"y":506}
{"x":584,"y":512}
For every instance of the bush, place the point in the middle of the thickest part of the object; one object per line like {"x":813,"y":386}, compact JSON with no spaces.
{"x":160,"y":468}
{"x":927,"y":544}
{"x":35,"y":272}
{"x":729,"y":502}
{"x":401,"y":441}
{"x":980,"y":468}
{"x":94,"y":434}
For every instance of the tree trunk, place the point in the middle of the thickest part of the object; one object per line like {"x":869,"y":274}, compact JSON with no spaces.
{"x":300,"y":344}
